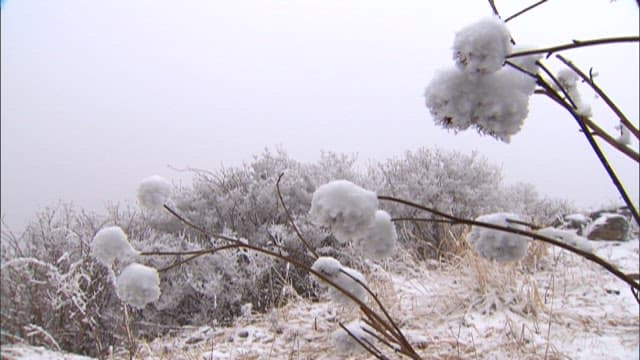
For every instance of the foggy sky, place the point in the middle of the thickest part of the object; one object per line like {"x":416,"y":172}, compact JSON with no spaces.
{"x":97,"y":95}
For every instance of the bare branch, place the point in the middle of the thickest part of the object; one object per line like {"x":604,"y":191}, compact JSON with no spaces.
{"x":286,"y":211}
{"x":588,"y":255}
{"x":576,"y":44}
{"x":525,"y":10}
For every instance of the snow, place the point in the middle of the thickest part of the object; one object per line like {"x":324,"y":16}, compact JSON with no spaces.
{"x":345,"y":277}
{"x":138,"y":285}
{"x":154,"y":191}
{"x":346,"y":344}
{"x":346,"y":208}
{"x":110,"y":243}
{"x":569,"y":81}
{"x":327,"y":265}
{"x":579,"y":218}
{"x":482,"y":47}
{"x":379,"y":240}
{"x":560,"y":304}
{"x":567,"y":237}
{"x":499,"y":245}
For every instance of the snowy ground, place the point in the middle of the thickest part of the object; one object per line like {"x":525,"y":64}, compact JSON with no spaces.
{"x":553,"y":305}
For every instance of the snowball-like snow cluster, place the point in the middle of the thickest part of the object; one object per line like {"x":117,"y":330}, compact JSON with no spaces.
{"x":153,"y":192}
{"x":482,"y":47}
{"x":138,"y":285}
{"x":110,"y":243}
{"x":567,"y":237}
{"x":499,"y":245}
{"x":379,"y":239}
{"x":351,"y":213}
{"x":348,"y":279}
{"x":346,"y":344}
{"x":480,"y":91}
{"x":343,"y":207}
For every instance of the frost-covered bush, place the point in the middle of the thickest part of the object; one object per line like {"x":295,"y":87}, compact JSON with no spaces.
{"x":153,"y":192}
{"x":50,"y":280}
{"x":343,"y":207}
{"x":499,"y":245}
{"x":138,"y":285}
{"x":111,"y":243}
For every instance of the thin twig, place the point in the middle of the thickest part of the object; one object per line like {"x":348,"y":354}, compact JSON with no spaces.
{"x":431,"y":220}
{"x":525,"y":10}
{"x":603,"y":95}
{"x":576,"y":44}
{"x":366,"y":345}
{"x":494,"y":8}
{"x":588,"y":255}
{"x":295,"y":227}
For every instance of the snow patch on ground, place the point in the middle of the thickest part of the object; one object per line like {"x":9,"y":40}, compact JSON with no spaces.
{"x":553,"y":304}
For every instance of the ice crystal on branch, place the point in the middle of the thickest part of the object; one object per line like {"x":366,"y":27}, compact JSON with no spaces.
{"x":499,"y":245}
{"x":111,"y":243}
{"x":153,"y":192}
{"x":138,"y":285}
{"x":343,"y":207}
{"x":481,"y":48}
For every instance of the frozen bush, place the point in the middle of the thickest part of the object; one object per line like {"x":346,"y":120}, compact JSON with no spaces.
{"x":482,"y":47}
{"x":343,"y":207}
{"x":138,"y":285}
{"x":153,"y":192}
{"x":568,"y":237}
{"x":379,"y":239}
{"x":499,"y":245}
{"x":345,"y":343}
{"x":111,"y":243}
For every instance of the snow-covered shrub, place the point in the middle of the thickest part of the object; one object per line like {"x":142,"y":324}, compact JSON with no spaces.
{"x":343,"y":207}
{"x":346,"y":278}
{"x":567,"y":237}
{"x":111,"y":243}
{"x":482,"y":47}
{"x":345,"y":343}
{"x":49,"y":280}
{"x":499,"y":245}
{"x":138,"y":285}
{"x":453,"y":182}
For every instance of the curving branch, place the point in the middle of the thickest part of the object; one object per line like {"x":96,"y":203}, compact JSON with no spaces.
{"x":576,"y":44}
{"x":587,"y":255}
{"x":589,"y":80}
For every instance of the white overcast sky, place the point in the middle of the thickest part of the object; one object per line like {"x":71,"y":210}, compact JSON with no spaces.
{"x":97,"y":95}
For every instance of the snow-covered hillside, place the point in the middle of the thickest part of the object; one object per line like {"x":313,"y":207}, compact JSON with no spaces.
{"x":553,"y":305}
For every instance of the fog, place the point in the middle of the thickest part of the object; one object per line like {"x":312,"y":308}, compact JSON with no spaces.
{"x":96,"y":95}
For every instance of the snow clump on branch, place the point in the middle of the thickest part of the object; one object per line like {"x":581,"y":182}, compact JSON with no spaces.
{"x":110,"y":243}
{"x":499,"y":245}
{"x":346,"y":344}
{"x":138,"y":285}
{"x":482,"y":47}
{"x":569,"y":81}
{"x":348,"y":279}
{"x":343,"y":207}
{"x":153,"y":192}
{"x":480,"y":91}
{"x":380,"y":238}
